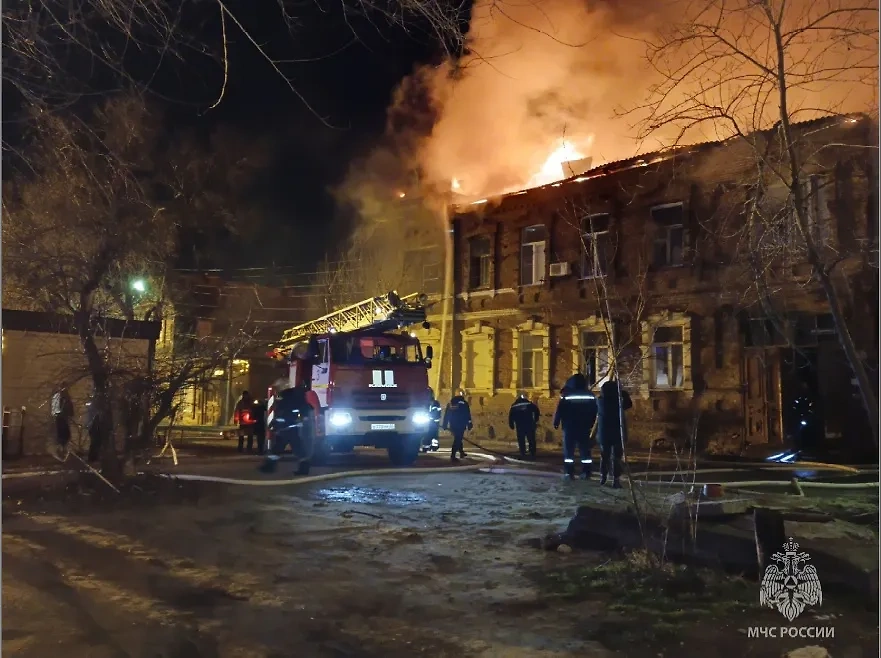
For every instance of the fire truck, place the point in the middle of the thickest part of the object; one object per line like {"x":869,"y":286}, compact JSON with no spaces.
{"x":355,"y":377}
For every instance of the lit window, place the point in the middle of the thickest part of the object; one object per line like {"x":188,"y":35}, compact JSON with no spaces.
{"x":531,"y":360}
{"x":669,"y":242}
{"x":596,"y":246}
{"x":479,"y":263}
{"x":532,"y":255}
{"x":667,"y":365}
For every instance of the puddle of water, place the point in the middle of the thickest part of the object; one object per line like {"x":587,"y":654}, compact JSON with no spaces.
{"x":368,"y":496}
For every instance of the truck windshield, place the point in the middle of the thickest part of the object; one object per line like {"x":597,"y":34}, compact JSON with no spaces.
{"x":373,"y":349}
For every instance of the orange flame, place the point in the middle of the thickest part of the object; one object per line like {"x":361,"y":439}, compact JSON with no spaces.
{"x":553,"y":168}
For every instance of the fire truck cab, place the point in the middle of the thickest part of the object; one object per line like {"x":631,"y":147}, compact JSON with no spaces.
{"x":367,"y":386}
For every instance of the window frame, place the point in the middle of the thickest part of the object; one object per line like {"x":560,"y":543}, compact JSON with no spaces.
{"x":542,"y":333}
{"x":667,"y":345}
{"x":532,"y":369}
{"x":482,"y":340}
{"x":583,"y":349}
{"x":536,"y":247}
{"x":665,"y":231}
{"x":593,"y":235}
{"x":484,"y":264}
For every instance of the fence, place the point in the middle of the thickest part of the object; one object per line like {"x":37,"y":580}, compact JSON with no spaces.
{"x":194,"y":434}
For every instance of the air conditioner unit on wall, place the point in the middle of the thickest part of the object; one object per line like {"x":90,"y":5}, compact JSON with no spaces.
{"x":559,"y":269}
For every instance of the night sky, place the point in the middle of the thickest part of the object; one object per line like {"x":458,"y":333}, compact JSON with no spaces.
{"x":350,"y":90}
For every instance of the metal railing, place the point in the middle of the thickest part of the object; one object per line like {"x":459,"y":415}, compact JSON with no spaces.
{"x":182,"y":434}
{"x":356,"y":316}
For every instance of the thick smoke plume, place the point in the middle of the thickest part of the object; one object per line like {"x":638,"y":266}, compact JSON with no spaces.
{"x":542,"y":71}
{"x":546,"y":76}
{"x":538,"y":73}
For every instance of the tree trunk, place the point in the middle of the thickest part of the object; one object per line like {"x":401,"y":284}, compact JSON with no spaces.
{"x":870,"y":402}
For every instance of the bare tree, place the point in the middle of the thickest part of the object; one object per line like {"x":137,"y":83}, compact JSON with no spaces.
{"x":752,"y":69}
{"x":87,"y":234}
{"x":59,"y":53}
{"x":628,"y":313}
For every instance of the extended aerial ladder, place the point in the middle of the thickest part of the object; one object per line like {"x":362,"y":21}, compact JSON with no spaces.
{"x":382,"y":313}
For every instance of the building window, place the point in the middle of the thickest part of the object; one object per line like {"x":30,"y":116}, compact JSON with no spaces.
{"x":595,"y":357}
{"x":595,"y":246}
{"x":668,"y":369}
{"x":479,"y":262}
{"x":431,"y":276}
{"x":669,"y":243}
{"x":532,"y":255}
{"x":532,"y":366}
{"x":478,"y":359}
{"x":815,"y":190}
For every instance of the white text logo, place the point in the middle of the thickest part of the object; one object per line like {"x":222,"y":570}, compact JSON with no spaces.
{"x":383,"y":379}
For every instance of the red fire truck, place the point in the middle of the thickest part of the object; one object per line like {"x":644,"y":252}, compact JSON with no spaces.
{"x":355,"y":377}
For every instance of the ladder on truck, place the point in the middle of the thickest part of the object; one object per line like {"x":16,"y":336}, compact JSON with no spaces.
{"x":384,"y":313}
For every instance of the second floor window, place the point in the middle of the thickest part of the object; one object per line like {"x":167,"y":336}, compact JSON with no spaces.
{"x":667,"y":365}
{"x":479,"y":263}
{"x":669,"y":243}
{"x":596,"y":246}
{"x":532,"y":255}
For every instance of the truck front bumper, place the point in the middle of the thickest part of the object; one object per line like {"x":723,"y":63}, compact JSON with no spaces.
{"x":374,"y":427}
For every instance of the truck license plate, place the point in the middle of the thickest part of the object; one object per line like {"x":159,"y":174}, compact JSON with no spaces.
{"x":382,"y":426}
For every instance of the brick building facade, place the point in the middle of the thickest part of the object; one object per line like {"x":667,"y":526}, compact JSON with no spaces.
{"x":654,"y":260}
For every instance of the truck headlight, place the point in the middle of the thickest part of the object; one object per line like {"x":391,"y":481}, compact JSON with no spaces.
{"x":421,"y":418}
{"x":340,"y":418}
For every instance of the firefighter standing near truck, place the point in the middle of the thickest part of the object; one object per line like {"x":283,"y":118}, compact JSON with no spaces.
{"x":258,"y":415}
{"x":577,"y":413}
{"x":429,"y":442}
{"x":457,"y":419}
{"x":523,"y":417}
{"x":242,"y":418}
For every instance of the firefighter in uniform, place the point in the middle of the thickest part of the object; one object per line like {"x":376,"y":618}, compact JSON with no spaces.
{"x":577,"y":413}
{"x":610,"y":432}
{"x":523,"y":416}
{"x":258,"y":416}
{"x":430,"y":441}
{"x":457,"y":419}
{"x":242,"y":418}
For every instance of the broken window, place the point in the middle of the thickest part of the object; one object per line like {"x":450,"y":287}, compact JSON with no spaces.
{"x":479,"y":263}
{"x":532,"y":255}
{"x":669,"y":242}
{"x":667,"y":366}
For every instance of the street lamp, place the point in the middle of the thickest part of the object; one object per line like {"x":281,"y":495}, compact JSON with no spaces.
{"x":139,"y":285}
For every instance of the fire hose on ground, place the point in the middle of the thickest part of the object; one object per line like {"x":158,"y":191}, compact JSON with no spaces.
{"x":493,"y":470}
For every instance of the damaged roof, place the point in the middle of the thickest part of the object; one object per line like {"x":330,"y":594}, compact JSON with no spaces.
{"x":661,"y":155}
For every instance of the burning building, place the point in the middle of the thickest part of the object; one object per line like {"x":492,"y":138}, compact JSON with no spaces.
{"x":682,"y":271}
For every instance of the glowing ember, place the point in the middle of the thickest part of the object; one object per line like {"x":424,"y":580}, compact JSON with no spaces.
{"x":401,"y":195}
{"x":456,"y":186}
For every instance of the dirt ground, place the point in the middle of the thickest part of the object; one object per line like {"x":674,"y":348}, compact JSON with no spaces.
{"x":429,"y":565}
